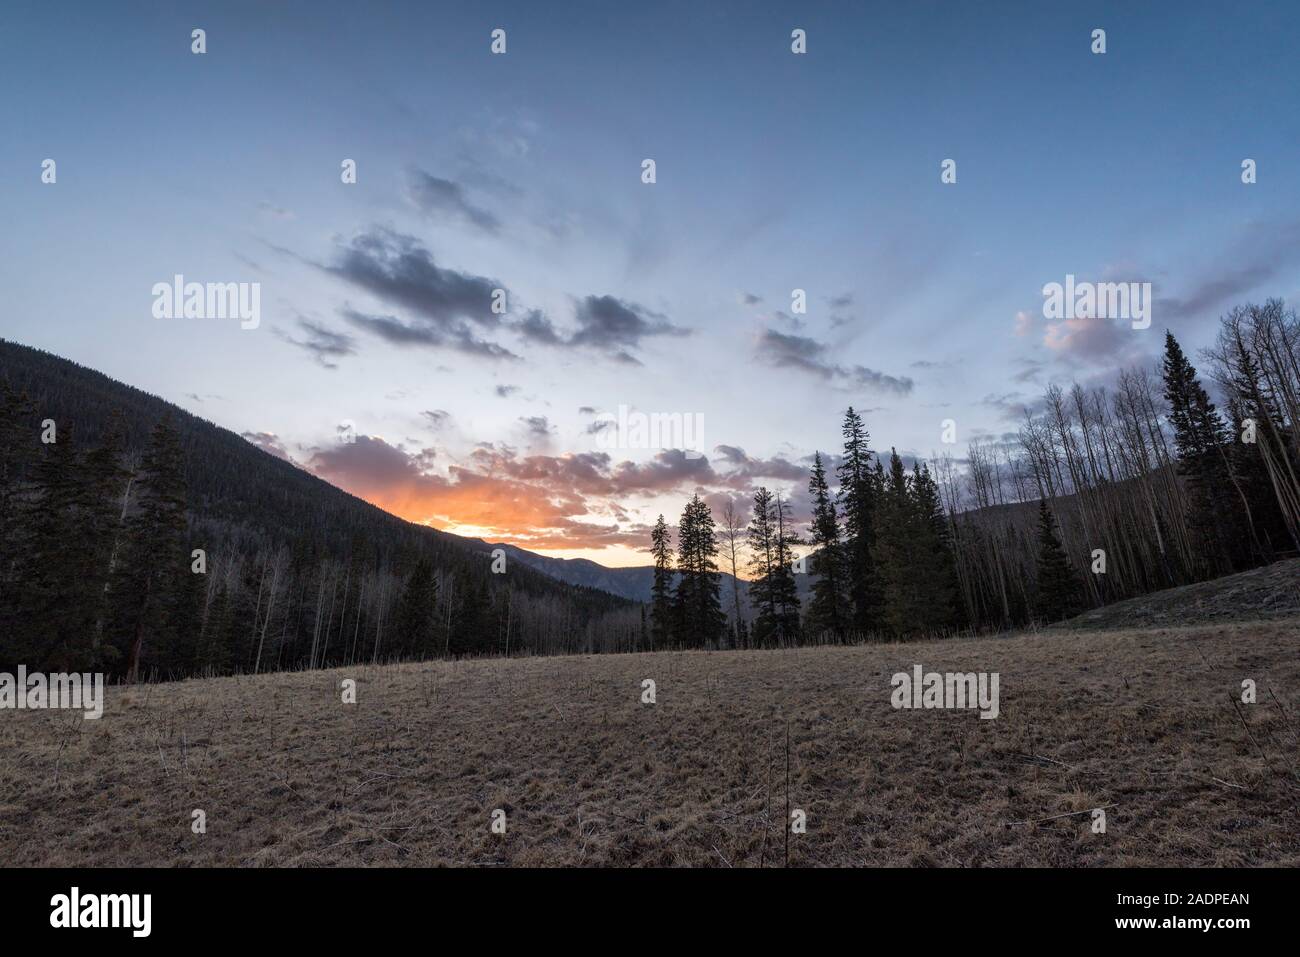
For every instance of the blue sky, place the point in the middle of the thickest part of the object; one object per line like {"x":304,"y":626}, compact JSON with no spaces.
{"x":522,"y":171}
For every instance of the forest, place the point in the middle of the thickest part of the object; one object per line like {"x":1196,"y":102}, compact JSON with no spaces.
{"x":142,"y":541}
{"x":1101,"y":495}
{"x":98,"y":531}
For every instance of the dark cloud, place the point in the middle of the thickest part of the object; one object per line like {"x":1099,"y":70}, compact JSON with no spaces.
{"x":615,"y":325}
{"x":536,"y":424}
{"x":750,"y":299}
{"x":746,"y":469}
{"x":437,"y":417}
{"x":441,"y":198}
{"x":1265,"y":250}
{"x":535,"y":327}
{"x":505,"y":391}
{"x":325,"y":345}
{"x":398,"y":270}
{"x":787,"y":351}
{"x":457,"y":337}
{"x":604,"y":323}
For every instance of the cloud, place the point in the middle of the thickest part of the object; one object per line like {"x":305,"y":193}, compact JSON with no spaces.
{"x":505,"y":391}
{"x":437,"y":417}
{"x":535,"y":327}
{"x":615,"y":325}
{"x":324,"y":345}
{"x":749,"y":299}
{"x":1090,"y":340}
{"x":536,"y":424}
{"x":1266,"y":249}
{"x":268,"y":442}
{"x":607,"y":324}
{"x":786,"y":351}
{"x":458,"y":338}
{"x":398,"y":270}
{"x":571,"y":500}
{"x":441,"y":198}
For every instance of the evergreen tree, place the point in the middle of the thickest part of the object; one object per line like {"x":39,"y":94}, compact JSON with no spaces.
{"x":1057,"y":591}
{"x":826,"y":612}
{"x":858,"y":488}
{"x":150,"y":579}
{"x":785,"y":591}
{"x":1200,"y":437}
{"x":773,"y":591}
{"x":896,"y":553}
{"x":415,"y":621}
{"x":698,"y":606}
{"x":661,"y":610}
{"x":761,"y":538}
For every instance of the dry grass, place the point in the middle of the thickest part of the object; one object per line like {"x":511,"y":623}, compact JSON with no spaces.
{"x":587,"y":775}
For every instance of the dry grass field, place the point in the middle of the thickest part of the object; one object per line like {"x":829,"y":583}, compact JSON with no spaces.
{"x":1142,"y":721}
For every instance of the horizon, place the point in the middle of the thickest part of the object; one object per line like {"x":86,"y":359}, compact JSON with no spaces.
{"x":379,"y":366}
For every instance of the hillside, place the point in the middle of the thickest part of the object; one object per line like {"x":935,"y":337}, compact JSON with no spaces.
{"x":1259,"y":594}
{"x":264,"y":524}
{"x":1136,"y":722}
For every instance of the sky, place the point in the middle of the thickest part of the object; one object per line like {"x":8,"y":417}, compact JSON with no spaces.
{"x":378,"y":362}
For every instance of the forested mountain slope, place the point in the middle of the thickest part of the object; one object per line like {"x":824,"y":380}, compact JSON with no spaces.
{"x":97,"y":536}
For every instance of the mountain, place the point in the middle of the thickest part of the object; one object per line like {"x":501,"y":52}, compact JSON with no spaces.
{"x":632,"y":582}
{"x":296,"y":568}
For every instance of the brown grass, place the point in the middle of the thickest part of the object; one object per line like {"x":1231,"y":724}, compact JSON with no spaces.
{"x":288,"y":775}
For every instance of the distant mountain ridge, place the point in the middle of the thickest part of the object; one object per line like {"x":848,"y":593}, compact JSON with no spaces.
{"x":634,"y":582}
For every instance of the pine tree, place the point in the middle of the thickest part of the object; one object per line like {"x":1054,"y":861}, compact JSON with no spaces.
{"x":149,"y":581}
{"x":1200,"y":437}
{"x":858,"y":488}
{"x":899,"y":552}
{"x":661,"y":612}
{"x":697,"y":604}
{"x":773,"y":592}
{"x":1057,"y":592}
{"x":937,"y":569}
{"x":416,"y":618}
{"x":761,"y":538}
{"x":826,"y":612}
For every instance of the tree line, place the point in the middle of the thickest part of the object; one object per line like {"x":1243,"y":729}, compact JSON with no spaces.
{"x":1100,"y":496}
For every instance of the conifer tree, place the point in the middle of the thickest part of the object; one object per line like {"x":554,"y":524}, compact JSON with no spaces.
{"x":773,"y":592}
{"x":761,"y":538}
{"x":858,"y":488}
{"x":155,"y":558}
{"x":826,"y":612}
{"x":661,"y":615}
{"x":697,"y":604}
{"x":415,"y":621}
{"x":1199,"y":437}
{"x":1057,"y":591}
